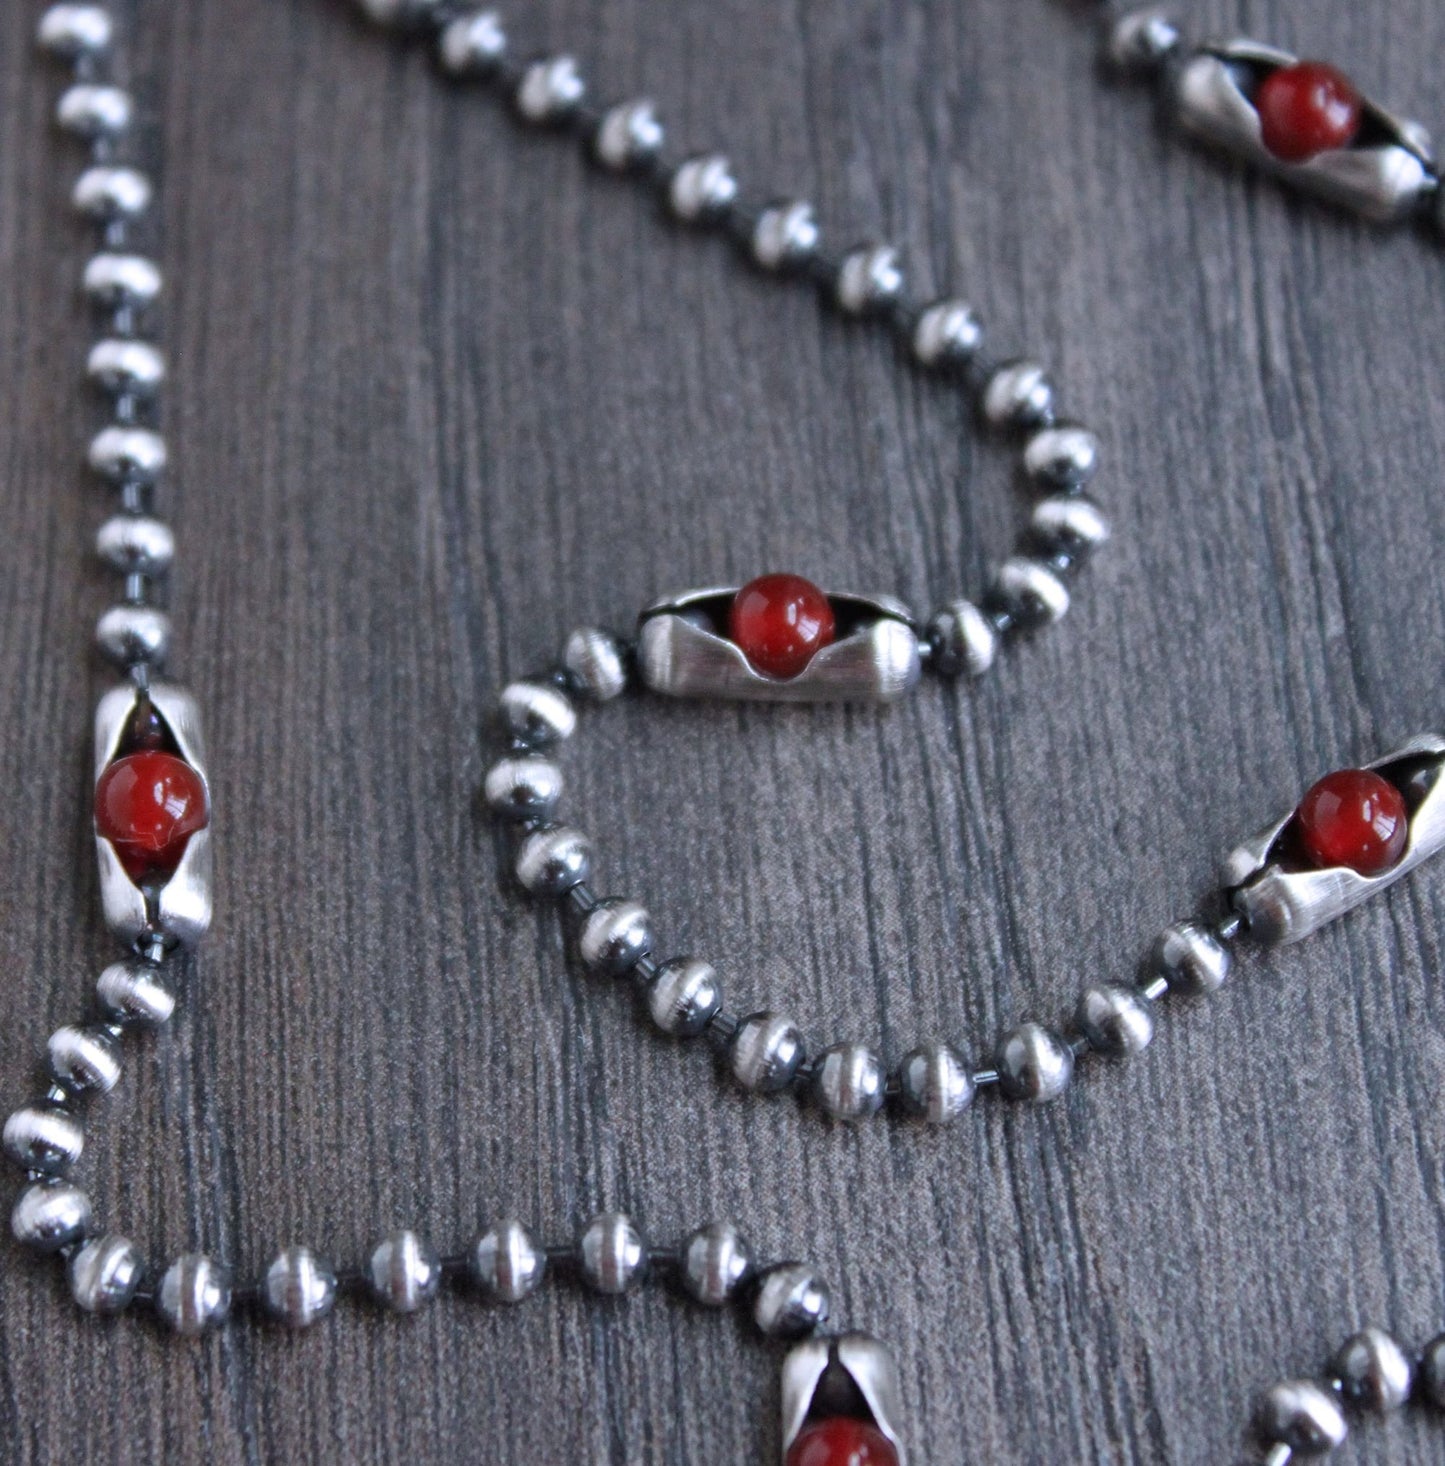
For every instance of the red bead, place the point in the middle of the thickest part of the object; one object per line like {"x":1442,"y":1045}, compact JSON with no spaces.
{"x":842,"y":1442}
{"x":1307,"y":109}
{"x":1353,"y":818}
{"x":148,"y":805}
{"x":780,"y":622}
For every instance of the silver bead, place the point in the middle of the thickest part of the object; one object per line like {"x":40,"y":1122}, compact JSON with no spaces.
{"x":94,"y":111}
{"x":526,"y":788}
{"x":404,"y":1272}
{"x":963,"y":640}
{"x":1432,"y":1372}
{"x":613,"y":1254}
{"x":550,"y":862}
{"x":629,"y":135}
{"x":135,"y":544}
{"x":595,"y":662}
{"x":1141,"y":39}
{"x":684,"y":997}
{"x":506,"y":1263}
{"x":1064,"y":456}
{"x":104,"y":193}
{"x":849,"y":1081}
{"x":194,"y":1295}
{"x":128,"y":635}
{"x":550,"y":90}
{"x":785,"y":236}
{"x":105,"y":1274}
{"x":1029,"y":591}
{"x":792,"y":1301}
{"x":298,"y":1288}
{"x":49,"y":1215}
{"x":74,"y":31}
{"x":1301,"y":1415}
{"x":766,"y":1052}
{"x":935,"y":1083}
{"x":537,"y":713}
{"x":1018,"y":395}
{"x":43,"y":1138}
{"x":472,"y":45}
{"x":84,"y":1059}
{"x":703,"y":188}
{"x":869,"y":279}
{"x":401,"y":14}
{"x":122,"y":455}
{"x":1116,"y":1020}
{"x":1069,"y":522}
{"x":1190,"y":958}
{"x":1034,"y":1064}
{"x":716,"y":1262}
{"x":135,"y":368}
{"x":114,"y":280}
{"x":947,"y":334}
{"x":615,"y":937}
{"x":1374,"y":1372}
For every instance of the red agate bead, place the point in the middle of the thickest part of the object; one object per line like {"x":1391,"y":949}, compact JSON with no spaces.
{"x":842,"y":1442}
{"x":1353,"y":818}
{"x":1307,"y":109}
{"x":781,"y":622}
{"x":148,"y":805}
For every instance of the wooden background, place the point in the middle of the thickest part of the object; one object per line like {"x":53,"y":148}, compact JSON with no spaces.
{"x":440,"y":393}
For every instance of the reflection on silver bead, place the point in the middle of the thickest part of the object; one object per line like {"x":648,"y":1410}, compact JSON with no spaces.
{"x":962,"y":639}
{"x":472,"y":45}
{"x":1142,"y":39}
{"x":103,"y":193}
{"x":526,"y":788}
{"x":506,"y":1263}
{"x":615,"y":937}
{"x":94,"y":111}
{"x":1301,"y":1415}
{"x":1069,"y":522}
{"x":684,"y":997}
{"x":766,"y":1052}
{"x":130,"y":635}
{"x":537,"y":713}
{"x":84,"y":1059}
{"x":1030,"y":592}
{"x":1034,"y":1064}
{"x":1116,"y":1020}
{"x":703,"y":188}
{"x":135,"y":455}
{"x":785,"y":236}
{"x":113,"y":280}
{"x":49,"y":1215}
{"x":43,"y":1138}
{"x":550,"y":862}
{"x":404,"y":1272}
{"x":1064,"y":456}
{"x":849,"y":1080}
{"x":194,"y":1295}
{"x":1190,"y":958}
{"x":792,"y":1301}
{"x":135,"y":368}
{"x":73,"y":31}
{"x":135,"y":544}
{"x":715,"y":1262}
{"x":1018,"y":395}
{"x":105,"y":1274}
{"x":1432,"y":1372}
{"x":947,"y":334}
{"x":629,"y":135}
{"x":869,"y":279}
{"x":550,"y":90}
{"x":613,"y":1254}
{"x":402,"y":14}
{"x":1374,"y":1372}
{"x":595,"y":662}
{"x":935,"y":1083}
{"x":134,"y":992}
{"x":298,"y":1288}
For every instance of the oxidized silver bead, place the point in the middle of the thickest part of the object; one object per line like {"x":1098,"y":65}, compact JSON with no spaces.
{"x":1432,"y":1372}
{"x":136,"y":544}
{"x":1116,"y":1020}
{"x":785,"y":236}
{"x":537,"y":713}
{"x":947,"y":334}
{"x":1374,"y":1372}
{"x":1069,"y":522}
{"x":1029,"y":591}
{"x":404,"y":1272}
{"x":114,"y":280}
{"x":594,"y":661}
{"x":792,"y":1301}
{"x":963,"y":641}
{"x":104,"y":193}
{"x":49,"y":1215}
{"x":1064,"y":456}
{"x":43,"y":1137}
{"x":506,"y":1263}
{"x":615,"y":937}
{"x":935,"y":1083}
{"x":550,"y":90}
{"x":525,"y":788}
{"x":684,"y":997}
{"x":613,"y":1254}
{"x":550,"y":862}
{"x":194,"y":1295}
{"x":129,"y":635}
{"x":702,"y":189}
{"x":127,"y":455}
{"x":134,"y":992}
{"x":1018,"y":395}
{"x":105,"y":1274}
{"x":849,"y":1081}
{"x":1190,"y":958}
{"x":135,"y":368}
{"x":298,"y":1288}
{"x":715,"y":1263}
{"x":1034,"y":1064}
{"x":766,"y":1052}
{"x":84,"y":1058}
{"x":74,"y":31}
{"x":402,"y":14}
{"x":1302,"y":1415}
{"x":628,"y":135}
{"x":1142,"y":39}
{"x":472,"y":45}
{"x":869,"y":279}
{"x":92,"y":112}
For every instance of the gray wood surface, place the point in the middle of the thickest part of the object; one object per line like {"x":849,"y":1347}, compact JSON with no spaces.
{"x":442,"y":392}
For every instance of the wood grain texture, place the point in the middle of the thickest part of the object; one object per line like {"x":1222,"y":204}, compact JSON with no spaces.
{"x":442,"y":392}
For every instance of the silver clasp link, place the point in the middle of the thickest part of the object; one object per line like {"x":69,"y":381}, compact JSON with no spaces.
{"x":823,"y":1377}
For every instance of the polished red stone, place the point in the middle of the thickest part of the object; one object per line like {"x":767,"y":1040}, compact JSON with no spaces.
{"x":781,"y":622}
{"x":1307,"y":109}
{"x":148,"y":805}
{"x":1353,"y":818}
{"x":842,"y":1442}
